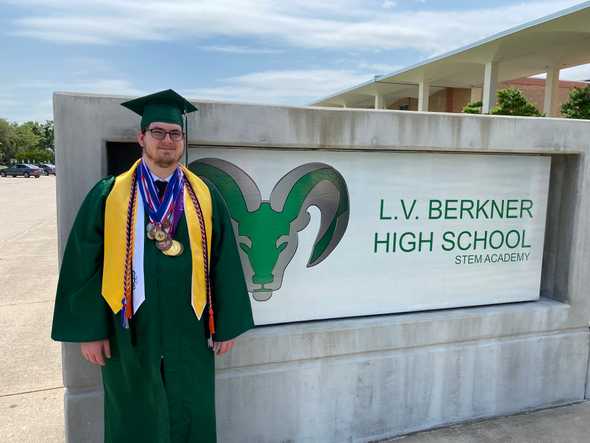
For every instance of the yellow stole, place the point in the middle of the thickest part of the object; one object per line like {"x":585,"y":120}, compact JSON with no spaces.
{"x":115,"y":240}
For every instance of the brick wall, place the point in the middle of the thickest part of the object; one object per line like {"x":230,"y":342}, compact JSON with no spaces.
{"x":455,"y":99}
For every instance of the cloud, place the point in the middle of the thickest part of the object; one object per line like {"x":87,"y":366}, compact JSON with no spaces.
{"x":331,"y":24}
{"x":241,"y":49}
{"x":32,"y":100}
{"x":294,"y":87}
{"x":378,"y":68}
{"x":109,"y":86}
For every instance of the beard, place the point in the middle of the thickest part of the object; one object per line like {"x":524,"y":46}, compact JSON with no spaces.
{"x":165,"y":162}
{"x":163,"y":159}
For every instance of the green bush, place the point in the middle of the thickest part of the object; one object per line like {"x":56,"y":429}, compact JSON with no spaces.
{"x":511,"y":101}
{"x":473,"y":108}
{"x":578,"y":105}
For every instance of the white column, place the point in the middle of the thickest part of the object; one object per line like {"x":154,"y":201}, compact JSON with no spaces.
{"x":490,"y":81}
{"x":423,"y":95}
{"x":551,"y":105}
{"x":379,"y":101}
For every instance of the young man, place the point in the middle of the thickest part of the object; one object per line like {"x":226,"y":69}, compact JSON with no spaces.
{"x":152,"y":287}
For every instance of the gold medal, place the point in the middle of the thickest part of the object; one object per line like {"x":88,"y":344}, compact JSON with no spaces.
{"x":160,"y":235}
{"x":174,"y":250}
{"x":151,"y":231}
{"x":164,"y":245}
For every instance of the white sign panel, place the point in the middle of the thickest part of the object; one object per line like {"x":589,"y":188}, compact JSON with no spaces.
{"x":338,"y":234}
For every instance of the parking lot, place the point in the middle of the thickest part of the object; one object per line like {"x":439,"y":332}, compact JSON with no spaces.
{"x":31,"y":391}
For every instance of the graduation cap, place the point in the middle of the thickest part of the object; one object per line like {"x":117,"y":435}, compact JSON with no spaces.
{"x":164,"y":106}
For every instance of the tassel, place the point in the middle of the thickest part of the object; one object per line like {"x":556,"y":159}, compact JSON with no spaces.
{"x":124,"y":319}
{"x":211,"y":322}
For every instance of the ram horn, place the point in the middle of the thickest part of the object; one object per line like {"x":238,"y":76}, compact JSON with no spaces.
{"x":236,"y":187}
{"x":320,"y":185}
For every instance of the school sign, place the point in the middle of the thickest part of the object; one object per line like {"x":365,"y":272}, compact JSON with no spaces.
{"x":343,"y":234}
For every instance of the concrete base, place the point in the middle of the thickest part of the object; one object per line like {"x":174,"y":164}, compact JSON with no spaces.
{"x":369,"y":379}
{"x":84,"y":416}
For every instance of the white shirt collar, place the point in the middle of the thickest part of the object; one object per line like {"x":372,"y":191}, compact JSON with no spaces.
{"x":167,"y":179}
{"x":155,"y":177}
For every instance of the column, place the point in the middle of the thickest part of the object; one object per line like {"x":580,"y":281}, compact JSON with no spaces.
{"x":490,"y":81}
{"x":423,"y":95}
{"x":379,"y":101}
{"x":551,"y":105}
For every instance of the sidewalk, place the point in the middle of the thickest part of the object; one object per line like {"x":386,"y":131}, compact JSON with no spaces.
{"x":565,"y":424}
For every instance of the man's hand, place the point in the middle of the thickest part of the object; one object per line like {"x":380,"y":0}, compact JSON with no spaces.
{"x":221,"y":347}
{"x":96,"y":351}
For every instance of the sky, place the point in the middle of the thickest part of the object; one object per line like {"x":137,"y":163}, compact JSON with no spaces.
{"x":290,"y":52}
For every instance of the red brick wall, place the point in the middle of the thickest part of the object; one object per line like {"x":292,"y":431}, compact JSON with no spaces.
{"x":534,"y":89}
{"x":455,"y":99}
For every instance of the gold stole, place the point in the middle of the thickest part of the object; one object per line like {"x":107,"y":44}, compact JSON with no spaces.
{"x":115,"y":240}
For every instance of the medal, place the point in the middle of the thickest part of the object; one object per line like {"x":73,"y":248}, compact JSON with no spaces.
{"x":164,"y":245}
{"x":164,"y":213}
{"x":160,"y":235}
{"x":151,"y":231}
{"x":175,"y":249}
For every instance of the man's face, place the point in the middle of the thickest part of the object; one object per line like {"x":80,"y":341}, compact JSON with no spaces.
{"x":163,"y":153}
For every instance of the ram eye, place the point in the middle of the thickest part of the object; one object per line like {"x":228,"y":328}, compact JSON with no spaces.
{"x":282,"y":242}
{"x":245,"y":243}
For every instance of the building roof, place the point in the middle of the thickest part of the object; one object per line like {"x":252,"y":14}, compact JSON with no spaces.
{"x":561,"y":39}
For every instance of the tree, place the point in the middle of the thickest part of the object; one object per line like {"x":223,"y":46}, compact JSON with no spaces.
{"x":25,"y":136}
{"x":578,"y":105}
{"x":29,"y":141}
{"x":511,"y":101}
{"x":7,"y":149}
{"x":44,"y":131}
{"x":35,"y":155}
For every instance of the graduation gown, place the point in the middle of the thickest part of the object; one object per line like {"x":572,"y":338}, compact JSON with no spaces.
{"x":159,"y":384}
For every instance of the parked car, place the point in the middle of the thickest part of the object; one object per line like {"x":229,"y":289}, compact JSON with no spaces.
{"x":48,"y":168}
{"x":23,"y":169}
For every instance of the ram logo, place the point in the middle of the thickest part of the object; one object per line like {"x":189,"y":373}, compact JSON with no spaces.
{"x":267,"y":230}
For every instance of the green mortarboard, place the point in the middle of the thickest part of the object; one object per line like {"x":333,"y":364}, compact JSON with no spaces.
{"x":164,"y":106}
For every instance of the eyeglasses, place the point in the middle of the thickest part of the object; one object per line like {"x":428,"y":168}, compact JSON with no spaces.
{"x":160,"y":134}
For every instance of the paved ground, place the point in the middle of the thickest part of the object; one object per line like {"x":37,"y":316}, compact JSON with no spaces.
{"x":566,"y":424}
{"x":31,"y":389}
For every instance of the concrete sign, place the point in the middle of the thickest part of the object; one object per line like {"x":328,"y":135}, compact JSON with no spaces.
{"x":341,"y":234}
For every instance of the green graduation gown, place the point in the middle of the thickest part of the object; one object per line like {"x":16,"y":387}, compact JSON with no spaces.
{"x":159,"y":384}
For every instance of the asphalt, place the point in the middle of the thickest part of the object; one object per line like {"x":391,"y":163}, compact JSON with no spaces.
{"x":31,"y":387}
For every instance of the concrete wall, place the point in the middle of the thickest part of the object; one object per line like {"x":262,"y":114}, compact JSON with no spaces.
{"x":369,"y":378}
